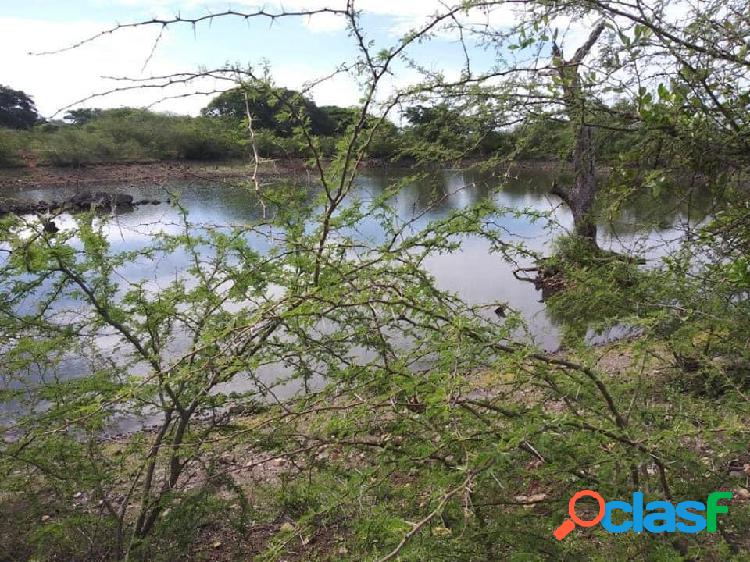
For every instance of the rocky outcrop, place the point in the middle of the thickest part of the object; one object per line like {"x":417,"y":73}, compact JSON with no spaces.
{"x":83,"y":201}
{"x":98,"y":199}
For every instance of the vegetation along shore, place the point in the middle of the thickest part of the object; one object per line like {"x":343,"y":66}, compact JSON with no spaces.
{"x":410,"y":281}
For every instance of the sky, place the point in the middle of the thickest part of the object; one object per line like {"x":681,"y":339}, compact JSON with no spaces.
{"x":298,"y":50}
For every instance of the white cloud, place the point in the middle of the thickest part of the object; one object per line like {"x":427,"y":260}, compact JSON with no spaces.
{"x":405,"y":13}
{"x":63,"y":78}
{"x":325,"y":23}
{"x":59,"y":79}
{"x":382,"y":7}
{"x":340,"y":90}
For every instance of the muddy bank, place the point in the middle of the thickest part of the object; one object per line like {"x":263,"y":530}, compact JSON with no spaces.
{"x":142,"y":173}
{"x":139,"y":173}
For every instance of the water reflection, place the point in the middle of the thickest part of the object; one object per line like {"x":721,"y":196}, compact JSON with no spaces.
{"x":642,"y":227}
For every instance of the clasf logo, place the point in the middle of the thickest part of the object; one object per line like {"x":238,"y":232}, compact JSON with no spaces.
{"x":655,"y":517}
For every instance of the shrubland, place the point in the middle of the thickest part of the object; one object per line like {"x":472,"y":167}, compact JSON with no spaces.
{"x":422,"y":428}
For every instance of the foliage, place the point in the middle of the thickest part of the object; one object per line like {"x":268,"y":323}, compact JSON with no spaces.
{"x":443,"y":132}
{"x":273,"y":108}
{"x":386,"y":439}
{"x":126,"y":135}
{"x":343,"y":118}
{"x":9,"y":148}
{"x":543,"y":138}
{"x":83,"y":115}
{"x":17,"y":109}
{"x":418,"y":427}
{"x":130,"y":134}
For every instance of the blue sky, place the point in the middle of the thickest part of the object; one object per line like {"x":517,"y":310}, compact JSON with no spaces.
{"x":298,"y":50}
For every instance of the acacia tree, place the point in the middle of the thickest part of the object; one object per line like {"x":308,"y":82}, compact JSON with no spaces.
{"x":403,"y":448}
{"x":17,"y":109}
{"x":669,"y":77}
{"x":268,"y":107}
{"x":582,"y":195}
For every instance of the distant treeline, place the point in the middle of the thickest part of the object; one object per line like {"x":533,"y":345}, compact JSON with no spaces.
{"x":429,"y":133}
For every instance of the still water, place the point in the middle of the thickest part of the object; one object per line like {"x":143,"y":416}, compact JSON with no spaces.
{"x":645,"y":226}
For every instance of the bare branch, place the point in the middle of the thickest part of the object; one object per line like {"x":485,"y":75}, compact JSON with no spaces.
{"x":261,"y":13}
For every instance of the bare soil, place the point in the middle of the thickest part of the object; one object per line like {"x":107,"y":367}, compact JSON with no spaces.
{"x":142,"y":173}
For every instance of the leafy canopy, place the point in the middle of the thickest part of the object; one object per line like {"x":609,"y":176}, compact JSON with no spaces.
{"x":17,"y":109}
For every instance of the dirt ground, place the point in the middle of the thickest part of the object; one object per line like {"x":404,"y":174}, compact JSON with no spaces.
{"x":140,"y":173}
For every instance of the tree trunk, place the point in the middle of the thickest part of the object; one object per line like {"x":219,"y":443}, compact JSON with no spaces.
{"x":581,"y":196}
{"x":583,"y":193}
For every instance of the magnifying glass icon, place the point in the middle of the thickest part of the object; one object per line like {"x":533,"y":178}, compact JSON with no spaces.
{"x":569,"y":524}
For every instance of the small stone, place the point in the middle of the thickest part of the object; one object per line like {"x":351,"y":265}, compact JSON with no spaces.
{"x":287,"y":527}
{"x":742,"y":494}
{"x":45,"y":518}
{"x":217,"y":544}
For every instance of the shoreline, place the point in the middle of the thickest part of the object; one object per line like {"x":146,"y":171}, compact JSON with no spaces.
{"x":150,"y":172}
{"x":134,"y":173}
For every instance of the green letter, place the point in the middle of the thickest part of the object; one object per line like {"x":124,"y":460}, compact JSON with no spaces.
{"x":712,"y":508}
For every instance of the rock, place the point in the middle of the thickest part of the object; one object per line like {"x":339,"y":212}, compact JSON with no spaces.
{"x":49,"y":226}
{"x":287,"y":528}
{"x":216,"y":544}
{"x":7,"y":207}
{"x":742,"y":494}
{"x":82,"y":201}
{"x":94,"y":199}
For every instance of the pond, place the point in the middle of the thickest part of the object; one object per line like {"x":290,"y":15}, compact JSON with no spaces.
{"x":476,"y":274}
